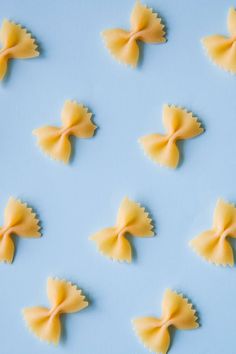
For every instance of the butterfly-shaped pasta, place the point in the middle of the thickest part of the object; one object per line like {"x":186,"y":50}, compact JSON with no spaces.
{"x":16,"y":44}
{"x":19,"y":220}
{"x":65,"y":298}
{"x":222,"y":49}
{"x":213,"y":244}
{"x":146,"y":26}
{"x":76,"y":121}
{"x":180,"y":125}
{"x":176,"y":312}
{"x":131,"y":219}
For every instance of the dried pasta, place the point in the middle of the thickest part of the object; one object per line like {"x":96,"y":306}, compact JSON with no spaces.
{"x":180,"y":125}
{"x":16,"y":44}
{"x":76,"y":121}
{"x":65,"y":298}
{"x":19,"y":220}
{"x":131,"y":219}
{"x":213,"y":244}
{"x":146,"y":26}
{"x":176,"y":312}
{"x":222,"y":49}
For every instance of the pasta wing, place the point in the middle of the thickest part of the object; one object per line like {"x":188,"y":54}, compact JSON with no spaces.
{"x":113,"y":245}
{"x":55,"y":144}
{"x":16,"y":44}
{"x":146,"y":25}
{"x":65,"y":296}
{"x":178,"y":311}
{"x":133,"y":218}
{"x":121,"y":47}
{"x":43,"y":325}
{"x":152,"y":333}
{"x":222,"y":49}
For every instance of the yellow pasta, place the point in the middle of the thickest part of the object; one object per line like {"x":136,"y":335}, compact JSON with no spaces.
{"x":146,"y":26}
{"x":19,"y":220}
{"x":131,"y":219}
{"x":180,"y":125}
{"x":16,"y":44}
{"x":76,"y":121}
{"x":176,"y":312}
{"x":213,"y":244}
{"x":222,"y":49}
{"x":64,"y":298}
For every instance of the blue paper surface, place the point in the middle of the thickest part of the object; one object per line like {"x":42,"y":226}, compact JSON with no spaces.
{"x":76,"y":200}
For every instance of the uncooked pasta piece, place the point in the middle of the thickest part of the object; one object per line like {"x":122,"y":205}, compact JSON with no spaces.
{"x":16,"y":44}
{"x":176,"y":312}
{"x":65,"y":298}
{"x":213,"y":244}
{"x":222,"y":49}
{"x":146,"y":26}
{"x":131,"y":219}
{"x":19,"y":220}
{"x":180,"y":125}
{"x":55,"y":141}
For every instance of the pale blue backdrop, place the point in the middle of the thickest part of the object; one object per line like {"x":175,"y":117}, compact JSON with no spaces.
{"x":76,"y":200}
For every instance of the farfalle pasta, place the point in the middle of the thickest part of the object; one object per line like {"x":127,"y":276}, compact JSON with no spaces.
{"x":146,"y":26}
{"x":131,"y":219}
{"x":176,"y":312}
{"x":76,"y":121}
{"x":213,"y":244}
{"x":16,"y":44}
{"x":180,"y":125}
{"x":19,"y":220}
{"x":64,"y":298}
{"x":222,"y":49}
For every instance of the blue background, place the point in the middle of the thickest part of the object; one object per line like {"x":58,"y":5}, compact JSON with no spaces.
{"x":76,"y":200}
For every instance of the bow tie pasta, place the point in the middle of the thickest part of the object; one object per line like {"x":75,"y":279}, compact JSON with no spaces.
{"x":64,"y":298}
{"x":76,"y":121}
{"x":19,"y":220}
{"x":146,"y":26}
{"x":176,"y":312}
{"x":16,"y":44}
{"x":180,"y":125}
{"x":131,"y":219}
{"x":222,"y":49}
{"x":213,"y":244}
